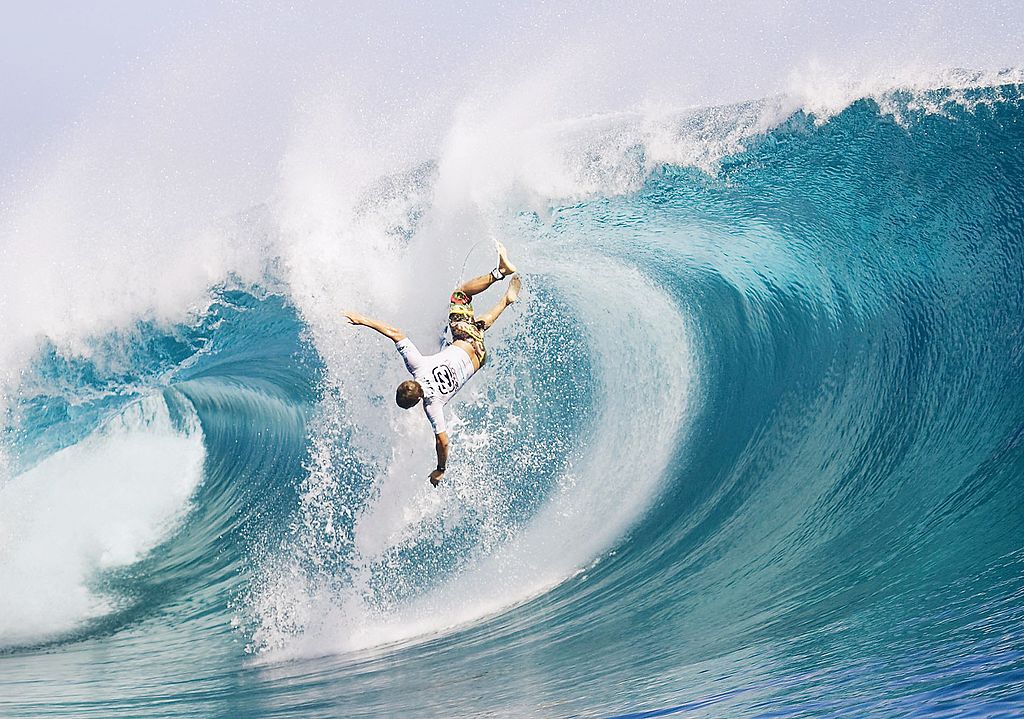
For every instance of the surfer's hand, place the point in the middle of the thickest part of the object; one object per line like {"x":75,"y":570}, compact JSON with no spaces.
{"x":436,"y":476}
{"x":353,"y":318}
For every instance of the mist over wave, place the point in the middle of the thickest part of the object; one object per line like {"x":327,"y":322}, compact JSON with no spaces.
{"x":751,"y":440}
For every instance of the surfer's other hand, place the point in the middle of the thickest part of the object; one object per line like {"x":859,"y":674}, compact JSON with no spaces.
{"x":436,"y":476}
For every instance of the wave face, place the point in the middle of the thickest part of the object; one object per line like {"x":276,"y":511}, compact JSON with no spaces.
{"x":752,"y":443}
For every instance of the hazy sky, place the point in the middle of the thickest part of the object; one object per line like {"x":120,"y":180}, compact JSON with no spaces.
{"x":57,"y":58}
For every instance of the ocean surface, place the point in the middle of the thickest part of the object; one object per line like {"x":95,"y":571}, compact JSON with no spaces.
{"x":751,"y":444}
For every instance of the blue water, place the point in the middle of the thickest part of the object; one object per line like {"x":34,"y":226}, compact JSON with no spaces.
{"x":751,"y":446}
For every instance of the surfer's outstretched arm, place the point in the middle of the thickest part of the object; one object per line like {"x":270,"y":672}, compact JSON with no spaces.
{"x":392,"y":333}
{"x":441,"y":445}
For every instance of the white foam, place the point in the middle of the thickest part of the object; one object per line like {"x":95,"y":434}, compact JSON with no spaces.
{"x":97,"y":505}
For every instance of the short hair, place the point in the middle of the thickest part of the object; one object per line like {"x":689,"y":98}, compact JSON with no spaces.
{"x":408,"y":394}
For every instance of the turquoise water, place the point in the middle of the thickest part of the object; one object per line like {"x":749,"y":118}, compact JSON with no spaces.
{"x":751,"y":445}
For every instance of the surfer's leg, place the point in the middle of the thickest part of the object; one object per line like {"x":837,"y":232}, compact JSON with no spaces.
{"x":511,"y":295}
{"x":478,"y":284}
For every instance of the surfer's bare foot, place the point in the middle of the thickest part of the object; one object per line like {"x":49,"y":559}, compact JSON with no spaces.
{"x":505,"y":267}
{"x":512,"y":293}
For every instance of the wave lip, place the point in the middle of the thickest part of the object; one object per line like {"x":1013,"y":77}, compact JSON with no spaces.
{"x":94,"y":507}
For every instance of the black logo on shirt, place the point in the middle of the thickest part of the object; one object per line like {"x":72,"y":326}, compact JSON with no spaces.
{"x":445,"y":379}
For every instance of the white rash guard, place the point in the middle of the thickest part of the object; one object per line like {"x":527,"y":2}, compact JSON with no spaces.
{"x":440,"y":375}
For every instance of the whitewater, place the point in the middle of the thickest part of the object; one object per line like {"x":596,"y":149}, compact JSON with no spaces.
{"x":751,"y":444}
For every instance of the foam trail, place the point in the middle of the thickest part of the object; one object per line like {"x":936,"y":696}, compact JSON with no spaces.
{"x":98,"y":505}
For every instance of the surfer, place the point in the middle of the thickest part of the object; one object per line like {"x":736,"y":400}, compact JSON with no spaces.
{"x":438,"y":377}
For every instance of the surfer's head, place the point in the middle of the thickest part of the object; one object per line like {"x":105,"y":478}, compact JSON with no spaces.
{"x":408,"y":394}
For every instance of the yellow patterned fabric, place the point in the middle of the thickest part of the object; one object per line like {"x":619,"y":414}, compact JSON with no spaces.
{"x":463,"y":324}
